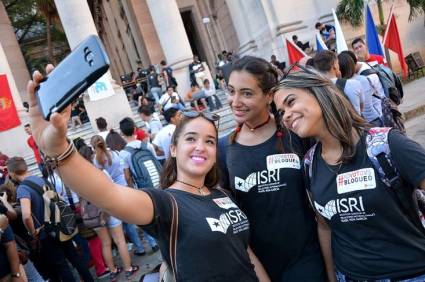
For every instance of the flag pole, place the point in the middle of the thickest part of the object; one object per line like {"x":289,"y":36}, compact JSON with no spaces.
{"x":381,"y":21}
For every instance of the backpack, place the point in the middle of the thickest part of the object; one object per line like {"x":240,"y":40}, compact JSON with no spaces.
{"x":60,"y":221}
{"x":92,"y":216}
{"x":391,"y":116}
{"x":391,"y":83}
{"x":412,"y":201}
{"x":146,"y":168}
{"x":340,"y":83}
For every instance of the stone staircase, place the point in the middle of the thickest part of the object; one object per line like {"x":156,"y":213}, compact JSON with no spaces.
{"x":227,"y":123}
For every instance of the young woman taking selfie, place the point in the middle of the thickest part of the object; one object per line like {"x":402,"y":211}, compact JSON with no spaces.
{"x":212,"y":236}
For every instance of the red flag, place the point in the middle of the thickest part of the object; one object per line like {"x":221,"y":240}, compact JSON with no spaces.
{"x":8,"y":115}
{"x":294,"y":52}
{"x":392,"y":41}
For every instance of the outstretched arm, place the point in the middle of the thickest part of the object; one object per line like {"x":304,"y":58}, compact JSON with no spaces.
{"x":80,"y":175}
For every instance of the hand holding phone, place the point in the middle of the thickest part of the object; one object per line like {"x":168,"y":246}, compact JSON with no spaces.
{"x":80,"y":69}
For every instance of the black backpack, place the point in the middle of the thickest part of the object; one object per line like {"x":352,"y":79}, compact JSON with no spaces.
{"x":59,"y":221}
{"x":391,"y":83}
{"x":145,"y":167}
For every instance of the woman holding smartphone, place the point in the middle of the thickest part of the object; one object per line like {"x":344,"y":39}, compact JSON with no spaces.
{"x":365,"y":232}
{"x":261,"y":164}
{"x":212,"y":235}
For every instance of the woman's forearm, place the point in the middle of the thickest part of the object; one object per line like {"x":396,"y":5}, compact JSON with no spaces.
{"x":325,"y":244}
{"x":258,"y":267}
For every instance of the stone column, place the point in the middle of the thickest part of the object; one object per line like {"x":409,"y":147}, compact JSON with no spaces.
{"x":13,"y":141}
{"x":78,"y":23}
{"x":247,"y":43}
{"x":13,"y":53}
{"x":173,"y":39}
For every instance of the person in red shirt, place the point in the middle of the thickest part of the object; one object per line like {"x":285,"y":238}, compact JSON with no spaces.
{"x":141,"y":135}
{"x":362,"y":53}
{"x":37,"y":154}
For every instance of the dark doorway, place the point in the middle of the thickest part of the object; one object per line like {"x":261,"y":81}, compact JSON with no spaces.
{"x":192,"y":35}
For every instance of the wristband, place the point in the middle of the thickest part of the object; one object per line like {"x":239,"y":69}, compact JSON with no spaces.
{"x":55,"y":162}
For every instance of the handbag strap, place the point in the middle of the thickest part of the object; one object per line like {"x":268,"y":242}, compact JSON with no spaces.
{"x":173,"y":235}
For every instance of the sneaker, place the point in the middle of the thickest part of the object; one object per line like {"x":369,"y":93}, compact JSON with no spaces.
{"x":114,"y":274}
{"x":129,"y":273}
{"x":142,"y":253}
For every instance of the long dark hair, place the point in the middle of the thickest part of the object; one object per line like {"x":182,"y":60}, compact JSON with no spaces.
{"x":267,"y":77}
{"x":169,"y":170}
{"x":339,"y":116}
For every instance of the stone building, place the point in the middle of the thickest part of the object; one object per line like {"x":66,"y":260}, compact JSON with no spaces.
{"x":131,"y":29}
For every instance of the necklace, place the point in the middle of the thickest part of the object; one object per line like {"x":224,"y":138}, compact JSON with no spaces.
{"x":332,"y":170}
{"x":258,"y":126}
{"x":197,"y":188}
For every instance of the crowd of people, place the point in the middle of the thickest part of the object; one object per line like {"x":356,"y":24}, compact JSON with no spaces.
{"x":316,"y":183}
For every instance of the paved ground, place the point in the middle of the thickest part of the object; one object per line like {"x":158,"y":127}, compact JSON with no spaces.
{"x":414,"y":98}
{"x":416,"y":129}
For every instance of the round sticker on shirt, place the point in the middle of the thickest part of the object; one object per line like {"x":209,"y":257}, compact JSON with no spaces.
{"x":283,"y":161}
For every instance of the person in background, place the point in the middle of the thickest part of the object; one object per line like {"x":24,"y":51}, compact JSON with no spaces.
{"x":75,"y":116}
{"x":348,"y":70}
{"x":162,"y":139}
{"x":327,"y":31}
{"x":280,"y":65}
{"x":3,"y":167}
{"x":327,"y":63}
{"x":196,"y":96}
{"x":363,"y":55}
{"x":302,"y":46}
{"x":213,"y":101}
{"x":52,"y":254}
{"x":153,"y":84}
{"x":170,"y":99}
{"x":167,"y":74}
{"x":152,"y":122}
{"x":38,"y":159}
{"x":10,"y":267}
{"x":196,"y":71}
{"x":113,"y":227}
{"x":102,"y":125}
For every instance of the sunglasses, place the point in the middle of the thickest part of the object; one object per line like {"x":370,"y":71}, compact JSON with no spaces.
{"x":294,"y":68}
{"x":209,"y":116}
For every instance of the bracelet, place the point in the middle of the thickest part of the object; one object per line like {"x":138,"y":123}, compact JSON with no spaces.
{"x":55,"y":162}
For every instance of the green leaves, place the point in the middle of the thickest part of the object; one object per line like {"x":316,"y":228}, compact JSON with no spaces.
{"x":351,"y":11}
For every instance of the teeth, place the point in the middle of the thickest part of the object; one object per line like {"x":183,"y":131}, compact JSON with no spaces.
{"x":197,"y":158}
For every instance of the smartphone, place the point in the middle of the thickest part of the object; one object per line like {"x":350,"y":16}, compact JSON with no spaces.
{"x":80,"y":69}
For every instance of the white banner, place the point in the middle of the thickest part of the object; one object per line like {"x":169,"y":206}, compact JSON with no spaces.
{"x":101,"y":89}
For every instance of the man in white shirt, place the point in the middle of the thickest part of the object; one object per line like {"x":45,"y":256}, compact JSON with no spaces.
{"x":162,"y":139}
{"x":327,"y":63}
{"x":170,"y":99}
{"x":152,"y":122}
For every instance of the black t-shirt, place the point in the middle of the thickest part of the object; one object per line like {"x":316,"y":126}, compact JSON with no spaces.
{"x":371,"y":237}
{"x":269,"y":188}
{"x":212,"y":236}
{"x":153,"y":80}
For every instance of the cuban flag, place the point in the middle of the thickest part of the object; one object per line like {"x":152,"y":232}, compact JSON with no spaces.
{"x":372,"y":39}
{"x":320,"y":45}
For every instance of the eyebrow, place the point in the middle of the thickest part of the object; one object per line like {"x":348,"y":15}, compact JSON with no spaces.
{"x":242,"y":89}
{"x":195,"y":133}
{"x":286,"y":99}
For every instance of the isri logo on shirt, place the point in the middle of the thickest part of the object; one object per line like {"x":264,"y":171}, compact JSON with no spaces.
{"x":266,"y":180}
{"x":234,"y":217}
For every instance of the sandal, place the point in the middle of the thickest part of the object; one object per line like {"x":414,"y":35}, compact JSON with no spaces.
{"x":114,"y":274}
{"x":129,"y":273}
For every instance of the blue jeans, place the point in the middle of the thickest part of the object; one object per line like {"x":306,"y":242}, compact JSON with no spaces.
{"x":32,"y":273}
{"x":342,"y":278}
{"x":156,"y":93}
{"x":131,"y":231}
